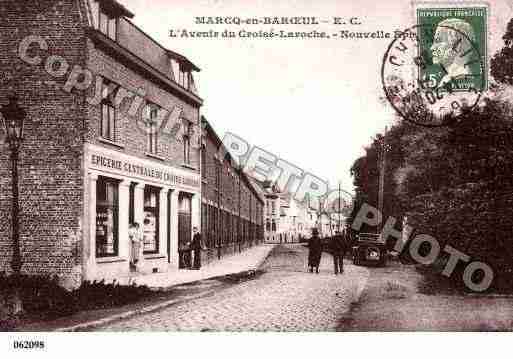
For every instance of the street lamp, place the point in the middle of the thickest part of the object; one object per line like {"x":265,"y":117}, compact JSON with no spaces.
{"x":13,"y":118}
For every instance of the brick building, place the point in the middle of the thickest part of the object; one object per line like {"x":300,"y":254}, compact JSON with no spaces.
{"x":232,"y":206}
{"x":112,"y":136}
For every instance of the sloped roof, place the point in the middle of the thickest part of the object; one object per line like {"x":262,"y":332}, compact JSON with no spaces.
{"x":117,"y":8}
{"x":183,"y":60}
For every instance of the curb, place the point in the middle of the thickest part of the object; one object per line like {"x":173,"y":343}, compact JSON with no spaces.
{"x":249,"y":270}
{"x":131,"y":313}
{"x":264,"y":258}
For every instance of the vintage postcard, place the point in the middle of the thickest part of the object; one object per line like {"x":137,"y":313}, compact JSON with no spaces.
{"x":278,"y":166}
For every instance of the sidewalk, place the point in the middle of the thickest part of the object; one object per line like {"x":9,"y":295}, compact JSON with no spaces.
{"x":247,"y":261}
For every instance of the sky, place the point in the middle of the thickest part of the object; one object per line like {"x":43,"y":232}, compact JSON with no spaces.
{"x":315,"y":103}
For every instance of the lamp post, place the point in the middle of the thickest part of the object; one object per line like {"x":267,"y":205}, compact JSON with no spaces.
{"x":13,"y":119}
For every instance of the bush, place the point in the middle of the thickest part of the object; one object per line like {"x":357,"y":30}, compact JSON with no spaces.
{"x":43,"y":298}
{"x":94,"y":295}
{"x":39,"y":295}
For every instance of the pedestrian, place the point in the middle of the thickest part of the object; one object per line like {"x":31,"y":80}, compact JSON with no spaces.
{"x":135,"y":240}
{"x":196,"y":246}
{"x":314,"y":251}
{"x":338,"y":251}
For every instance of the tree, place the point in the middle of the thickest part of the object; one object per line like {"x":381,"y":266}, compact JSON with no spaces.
{"x":365,"y":171}
{"x":501,"y":65}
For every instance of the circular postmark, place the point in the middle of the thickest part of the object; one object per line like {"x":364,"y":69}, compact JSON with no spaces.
{"x":429,"y":77}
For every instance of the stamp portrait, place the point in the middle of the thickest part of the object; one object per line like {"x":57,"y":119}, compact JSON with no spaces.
{"x":450,"y":40}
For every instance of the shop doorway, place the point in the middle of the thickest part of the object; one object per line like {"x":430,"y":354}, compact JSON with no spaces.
{"x":184,"y":230}
{"x":169,"y":194}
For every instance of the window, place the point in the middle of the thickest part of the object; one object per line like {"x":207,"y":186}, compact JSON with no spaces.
{"x":108,"y":111}
{"x":228,"y":227}
{"x":184,"y":78}
{"x":131,"y":203}
{"x":152,"y":128}
{"x":107,"y":24}
{"x":151,"y":223}
{"x":187,"y":142}
{"x":218,"y":176}
{"x":106,"y":217}
{"x":204,"y":162}
{"x":204,"y":222}
{"x":234,"y":228}
{"x":211,"y":226}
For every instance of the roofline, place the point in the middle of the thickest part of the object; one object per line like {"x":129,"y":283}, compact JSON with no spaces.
{"x":184,"y":59}
{"x":168,"y":52}
{"x":242,"y":174}
{"x":119,"y":7}
{"x":126,"y":54}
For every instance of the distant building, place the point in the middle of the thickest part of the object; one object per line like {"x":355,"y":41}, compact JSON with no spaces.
{"x":232,"y":208}
{"x":286,"y":220}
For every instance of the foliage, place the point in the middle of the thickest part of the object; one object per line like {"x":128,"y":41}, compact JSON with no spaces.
{"x":454,"y":182}
{"x":101,"y":295}
{"x":43,"y":298}
{"x":39,"y":294}
{"x":365,"y":172}
{"x":501,"y":65}
{"x":460,"y":189}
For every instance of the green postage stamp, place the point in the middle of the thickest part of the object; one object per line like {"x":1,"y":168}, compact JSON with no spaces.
{"x":453,"y":44}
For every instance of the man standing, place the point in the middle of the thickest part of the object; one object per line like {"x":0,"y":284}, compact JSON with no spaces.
{"x":338,"y":250}
{"x":196,"y":246}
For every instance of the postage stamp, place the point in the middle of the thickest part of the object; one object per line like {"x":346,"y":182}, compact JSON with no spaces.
{"x":450,"y":40}
{"x":438,"y":67}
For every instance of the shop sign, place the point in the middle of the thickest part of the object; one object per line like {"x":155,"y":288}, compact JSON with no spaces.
{"x":135,"y":169}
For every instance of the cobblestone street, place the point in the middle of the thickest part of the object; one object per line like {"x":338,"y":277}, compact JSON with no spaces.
{"x":284,"y":297}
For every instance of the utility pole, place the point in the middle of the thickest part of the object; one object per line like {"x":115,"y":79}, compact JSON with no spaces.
{"x":382,"y":164}
{"x":339,"y":211}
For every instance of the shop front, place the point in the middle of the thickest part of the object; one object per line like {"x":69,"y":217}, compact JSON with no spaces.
{"x":122,"y":191}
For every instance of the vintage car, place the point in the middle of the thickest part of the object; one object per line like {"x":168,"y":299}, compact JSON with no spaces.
{"x":369,"y":249}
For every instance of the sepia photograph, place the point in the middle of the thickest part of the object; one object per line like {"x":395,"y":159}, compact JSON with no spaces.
{"x":226,"y":166}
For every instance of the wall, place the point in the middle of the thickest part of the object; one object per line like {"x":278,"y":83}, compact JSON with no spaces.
{"x":228,"y":197}
{"x":50,"y":161}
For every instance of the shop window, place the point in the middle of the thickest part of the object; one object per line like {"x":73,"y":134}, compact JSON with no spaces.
{"x":108,"y":111}
{"x":131,"y":204}
{"x":106,"y":217}
{"x":107,"y":23}
{"x":151,"y":220}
